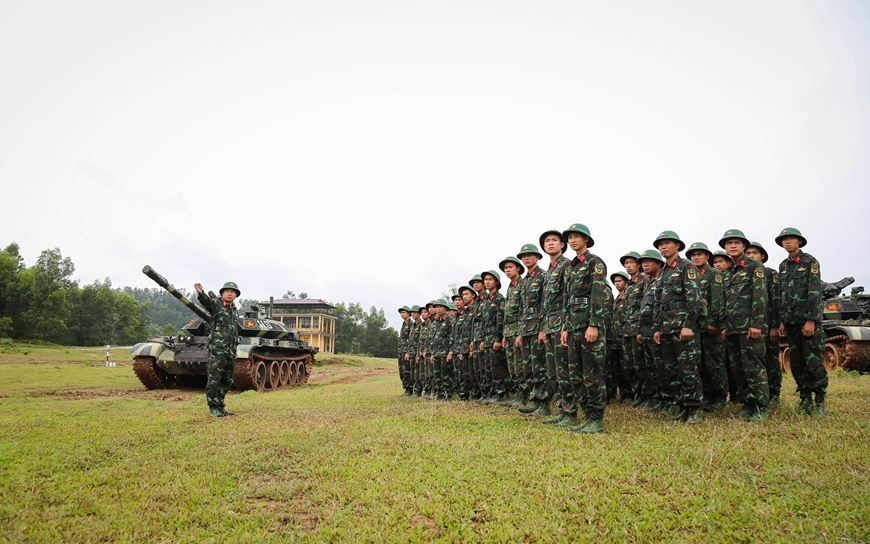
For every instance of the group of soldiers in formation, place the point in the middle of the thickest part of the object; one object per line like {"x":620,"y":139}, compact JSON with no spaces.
{"x":679,"y":337}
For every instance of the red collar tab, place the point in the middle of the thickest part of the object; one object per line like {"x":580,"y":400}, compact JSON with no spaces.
{"x":797,"y":259}
{"x":703,"y":271}
{"x":533,"y":272}
{"x":583,"y":258}
{"x":553,"y":264}
{"x":514,"y":282}
{"x":491,"y":297}
{"x":742,"y":263}
{"x":674,"y":264}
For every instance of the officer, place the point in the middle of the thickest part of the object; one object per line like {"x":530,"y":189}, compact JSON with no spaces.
{"x":771,"y":352}
{"x":632,"y":349}
{"x":513,"y":269}
{"x":495,"y":371}
{"x":650,"y":369}
{"x":553,"y":244}
{"x":714,"y":375}
{"x":404,"y":363}
{"x":222,"y":343}
{"x":745,"y":325}
{"x":583,"y":331}
{"x":801,"y":307}
{"x":534,"y":355}
{"x":679,"y":303}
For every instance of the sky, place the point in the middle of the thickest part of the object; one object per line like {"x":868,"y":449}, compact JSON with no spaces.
{"x":378,"y":151}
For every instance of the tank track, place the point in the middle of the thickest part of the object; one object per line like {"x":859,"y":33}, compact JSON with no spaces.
{"x":853,"y":355}
{"x":151,"y":376}
{"x":245,"y":379}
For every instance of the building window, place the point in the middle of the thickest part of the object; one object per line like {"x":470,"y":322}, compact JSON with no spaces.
{"x":305,"y":322}
{"x":315,"y":322}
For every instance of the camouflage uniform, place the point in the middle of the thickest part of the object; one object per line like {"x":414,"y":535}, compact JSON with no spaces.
{"x":442,"y":372}
{"x":511,"y":331}
{"x":714,"y":374}
{"x":583,"y":303}
{"x":613,"y":343}
{"x":413,"y":343}
{"x":222,"y":343}
{"x":679,"y":303}
{"x":745,"y":303}
{"x":425,"y":351}
{"x":460,"y":353}
{"x":495,"y":373}
{"x":534,"y":356}
{"x":649,"y":370}
{"x":477,"y":356}
{"x":800,"y":284}
{"x":405,"y":366}
{"x":632,"y":350}
{"x":771,"y":353}
{"x":554,"y":279}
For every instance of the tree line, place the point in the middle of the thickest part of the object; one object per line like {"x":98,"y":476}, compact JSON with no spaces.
{"x":43,"y":303}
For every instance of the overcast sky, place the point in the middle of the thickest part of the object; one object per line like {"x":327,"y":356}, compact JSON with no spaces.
{"x":376,"y":152}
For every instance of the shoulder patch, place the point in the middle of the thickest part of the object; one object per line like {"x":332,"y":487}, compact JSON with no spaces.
{"x":501,"y":306}
{"x":599,"y":268}
{"x":814,"y":268}
{"x":776,"y":278}
{"x":759,"y":272}
{"x":718,"y":278}
{"x":692,"y":274}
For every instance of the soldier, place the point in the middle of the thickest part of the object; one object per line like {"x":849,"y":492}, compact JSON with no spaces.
{"x":714,"y":375}
{"x":534,"y":356}
{"x":458,"y":311}
{"x":771,"y":352}
{"x":801,"y":308}
{"x":558,"y":378}
{"x":679,"y":306}
{"x":513,"y":269}
{"x":476,"y":338}
{"x":463,"y":328}
{"x":609,"y":376}
{"x":721,"y":261}
{"x":745,"y":326}
{"x":583,"y":331}
{"x":412,"y":355}
{"x":222,"y":343}
{"x":442,"y":370}
{"x":451,"y":310}
{"x":618,"y":387}
{"x":404,"y":363}
{"x":632,"y":349}
{"x":649,"y":394}
{"x":495,"y":372}
{"x":424,"y":350}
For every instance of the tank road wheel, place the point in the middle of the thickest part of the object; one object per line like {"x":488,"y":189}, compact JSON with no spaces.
{"x":273,"y":376}
{"x":305,"y":369}
{"x":785,"y":359}
{"x":258,"y":375}
{"x":151,"y":375}
{"x":298,"y":373}
{"x":285,"y":374}
{"x":833,"y":356}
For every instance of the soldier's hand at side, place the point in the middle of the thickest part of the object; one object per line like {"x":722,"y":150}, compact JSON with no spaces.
{"x":198,"y":287}
{"x":774,"y":334}
{"x":482,"y":346}
{"x":563,"y":338}
{"x":591,"y":334}
{"x":407,"y":356}
{"x":496,"y":346}
{"x":782,"y":330}
{"x":542,"y":338}
{"x":639,"y":339}
{"x":686,"y":334}
{"x":809,"y":328}
{"x":722,"y":334}
{"x":657,"y":337}
{"x":754,"y":333}
{"x":518,"y":342}
{"x":450,"y":357}
{"x":711,"y":330}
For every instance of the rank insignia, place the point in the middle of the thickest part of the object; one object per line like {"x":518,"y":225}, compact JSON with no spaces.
{"x":691,"y":274}
{"x":814,"y":268}
{"x":801,"y":269}
{"x":599,"y":268}
{"x":759,"y":272}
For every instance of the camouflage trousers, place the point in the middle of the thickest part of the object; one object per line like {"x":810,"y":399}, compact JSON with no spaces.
{"x":586,"y":367}
{"x":614,"y":376}
{"x":443,"y":376}
{"x":714,"y":373}
{"x":632,"y":358}
{"x":431,"y":374}
{"x":554,"y":356}
{"x":773,"y":366}
{"x":514,"y":356}
{"x":221,"y":363}
{"x":747,"y":368}
{"x":806,"y":354}
{"x":681,"y":369}
{"x":475,"y":369}
{"x":404,"y":371}
{"x":496,"y":377}
{"x":535,"y":369}
{"x":648,"y":371}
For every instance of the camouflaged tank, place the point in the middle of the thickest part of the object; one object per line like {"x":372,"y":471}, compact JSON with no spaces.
{"x":846,"y":321}
{"x":270,"y":355}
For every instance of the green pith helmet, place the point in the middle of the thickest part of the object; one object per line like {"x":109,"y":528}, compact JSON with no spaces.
{"x":720,"y":253}
{"x":699,"y":246}
{"x":475,"y":278}
{"x":415,"y":308}
{"x":791,"y":231}
{"x":440,"y":302}
{"x":651,"y":254}
{"x":431,"y":303}
{"x":451,"y":306}
{"x":733,"y":233}
{"x":630,"y":255}
{"x":761,"y":248}
{"x":529,"y":249}
{"x":405,"y":308}
{"x":466,"y":288}
{"x":622,"y":275}
{"x":512,"y":259}
{"x":669,"y":235}
{"x":557,"y":233}
{"x":457,"y":295}
{"x":494,"y":274}
{"x":231,"y":285}
{"x":579,"y":228}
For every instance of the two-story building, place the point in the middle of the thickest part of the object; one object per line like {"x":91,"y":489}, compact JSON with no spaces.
{"x":310,"y":316}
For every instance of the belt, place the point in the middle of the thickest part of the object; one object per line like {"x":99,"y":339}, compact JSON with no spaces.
{"x":578,"y":300}
{"x":531,"y":311}
{"x":511,"y":319}
{"x":675,"y":305}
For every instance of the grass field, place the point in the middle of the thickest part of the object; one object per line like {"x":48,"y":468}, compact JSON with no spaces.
{"x":89,"y":455}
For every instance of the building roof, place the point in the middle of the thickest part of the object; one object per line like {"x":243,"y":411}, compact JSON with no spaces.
{"x":312,"y":303}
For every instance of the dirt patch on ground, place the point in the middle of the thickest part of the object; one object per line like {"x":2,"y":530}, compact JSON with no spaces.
{"x":130,"y":393}
{"x":423,"y":521}
{"x":360,"y":376}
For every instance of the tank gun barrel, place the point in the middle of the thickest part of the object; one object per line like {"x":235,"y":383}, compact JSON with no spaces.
{"x":161,"y":281}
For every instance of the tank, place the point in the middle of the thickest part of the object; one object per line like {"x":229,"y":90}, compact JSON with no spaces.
{"x":270,"y":355}
{"x":846,"y":321}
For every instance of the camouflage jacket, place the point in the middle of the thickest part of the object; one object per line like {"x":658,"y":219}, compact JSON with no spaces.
{"x":456,"y":339}
{"x":583,"y":296}
{"x":414,"y":338}
{"x":224,"y":333}
{"x":463,"y":327}
{"x":800,"y":286}
{"x":512,"y":310}
{"x":745,"y":297}
{"x":531,"y":298}
{"x":617,"y":331}
{"x":772,"y":297}
{"x":424,"y":344}
{"x":679,"y":296}
{"x":712,"y":298}
{"x":609,"y":316}
{"x":404,"y":336}
{"x":477,"y":321}
{"x":493,"y":318}
{"x":442,"y":333}
{"x":633,"y":297}
{"x":648,"y":314}
{"x":554,"y":287}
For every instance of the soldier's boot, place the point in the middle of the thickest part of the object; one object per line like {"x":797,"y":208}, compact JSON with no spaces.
{"x":819,"y":410}
{"x":405,"y":393}
{"x":555,"y":419}
{"x":594,"y":423}
{"x":542,"y":410}
{"x":682,"y":413}
{"x":746,"y":412}
{"x":216,"y":412}
{"x":671,"y":412}
{"x":774,"y":402}
{"x":491,"y":399}
{"x":516,"y":401}
{"x":805,"y":407}
{"x":528,"y":410}
{"x":714,"y":406}
{"x":227,"y":412}
{"x":640,"y":402}
{"x":759,"y":415}
{"x":694,"y":417}
{"x":570,"y":420}
{"x":658,"y":405}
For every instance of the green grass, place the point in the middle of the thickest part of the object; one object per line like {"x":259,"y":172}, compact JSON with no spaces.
{"x":89,"y":455}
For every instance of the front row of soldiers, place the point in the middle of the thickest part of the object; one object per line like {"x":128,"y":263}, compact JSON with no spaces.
{"x":679,"y":337}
